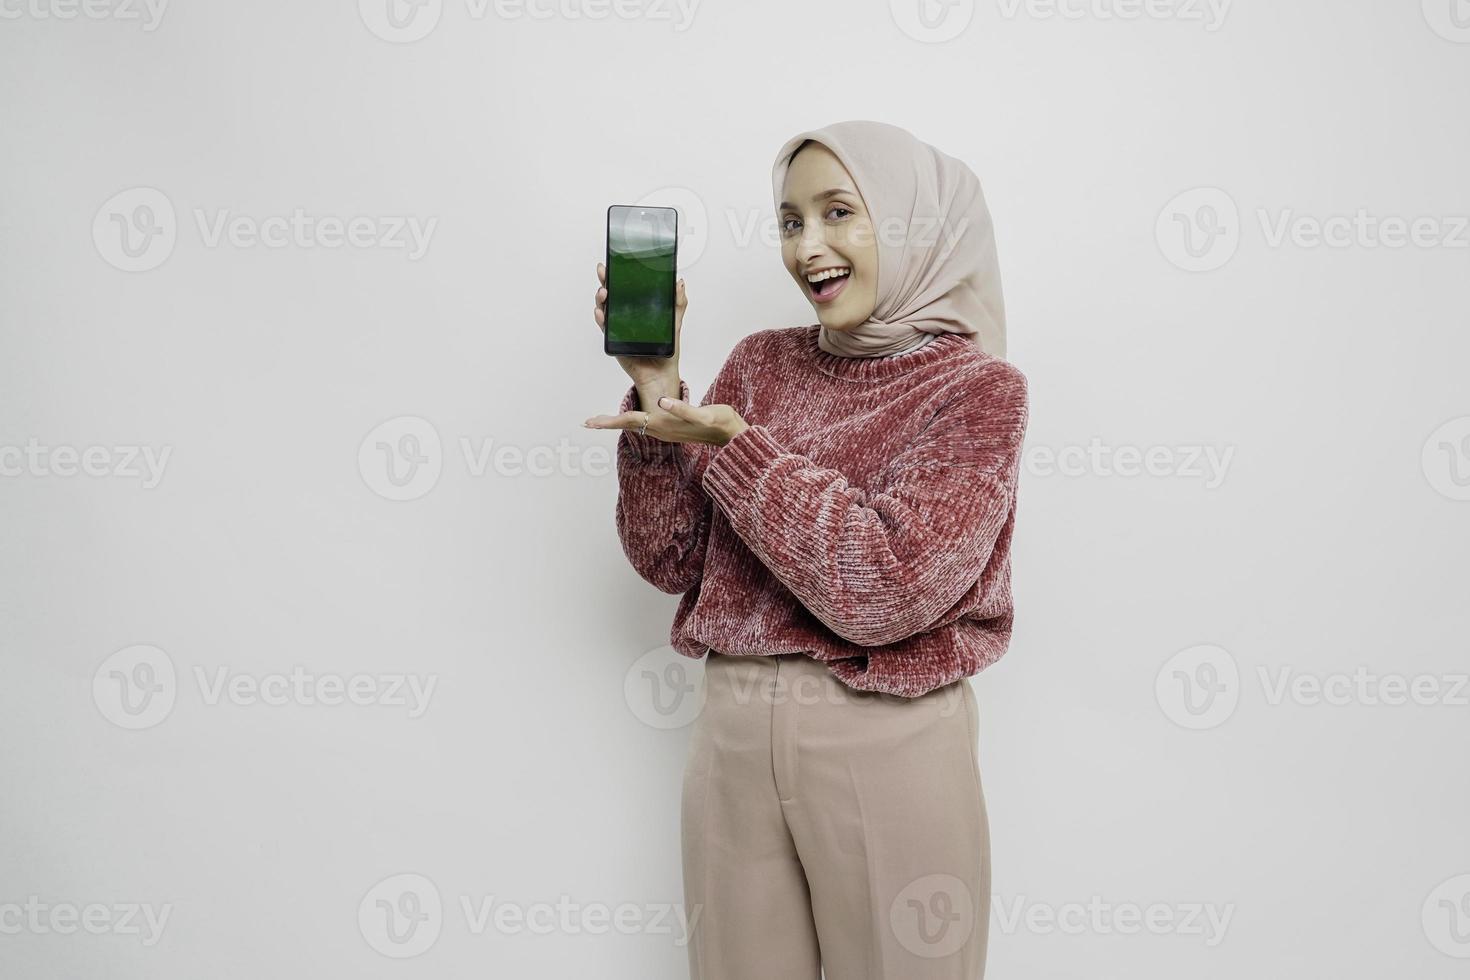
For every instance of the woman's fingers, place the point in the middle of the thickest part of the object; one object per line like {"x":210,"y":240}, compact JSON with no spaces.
{"x":681,"y":301}
{"x":660,"y":423}
{"x":671,"y":421}
{"x":628,"y":420}
{"x":599,"y":302}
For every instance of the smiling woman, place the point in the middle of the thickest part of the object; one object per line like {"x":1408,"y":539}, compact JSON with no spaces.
{"x":827,"y":239}
{"x":911,"y":224}
{"x":837,"y":513}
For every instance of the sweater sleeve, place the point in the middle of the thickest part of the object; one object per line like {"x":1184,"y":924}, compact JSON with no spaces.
{"x":878,"y":568}
{"x":663,"y":513}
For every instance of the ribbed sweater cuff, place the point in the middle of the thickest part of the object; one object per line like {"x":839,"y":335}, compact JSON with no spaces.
{"x":648,"y":449}
{"x":735,"y":467}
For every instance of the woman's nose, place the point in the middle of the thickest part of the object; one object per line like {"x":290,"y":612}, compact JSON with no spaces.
{"x":812,"y":244}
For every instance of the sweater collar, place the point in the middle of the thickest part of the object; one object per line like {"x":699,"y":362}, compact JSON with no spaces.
{"x":943,"y":346}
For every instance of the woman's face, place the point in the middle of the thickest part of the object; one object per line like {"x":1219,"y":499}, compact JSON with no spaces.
{"x":824,"y":225}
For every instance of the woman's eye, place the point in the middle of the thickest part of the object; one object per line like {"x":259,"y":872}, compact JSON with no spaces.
{"x":787,"y":226}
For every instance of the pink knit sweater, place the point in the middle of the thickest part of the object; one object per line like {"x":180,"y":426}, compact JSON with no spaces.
{"x":864,"y":518}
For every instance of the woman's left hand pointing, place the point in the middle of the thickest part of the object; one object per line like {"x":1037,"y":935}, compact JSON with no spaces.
{"x":678,"y":421}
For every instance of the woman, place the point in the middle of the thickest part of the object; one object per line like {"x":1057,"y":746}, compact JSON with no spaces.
{"x":837,"y":514}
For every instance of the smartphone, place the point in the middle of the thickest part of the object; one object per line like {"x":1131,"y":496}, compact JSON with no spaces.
{"x":642,"y":265}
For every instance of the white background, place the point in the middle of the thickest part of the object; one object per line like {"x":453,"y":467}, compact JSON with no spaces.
{"x":1332,"y":544}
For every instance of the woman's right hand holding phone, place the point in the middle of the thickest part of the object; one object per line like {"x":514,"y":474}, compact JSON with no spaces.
{"x":654,"y":377}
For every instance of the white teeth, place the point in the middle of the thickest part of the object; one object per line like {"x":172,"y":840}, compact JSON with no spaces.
{"x":825,"y":274}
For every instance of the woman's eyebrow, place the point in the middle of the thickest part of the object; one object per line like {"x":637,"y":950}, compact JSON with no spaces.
{"x":825,"y":194}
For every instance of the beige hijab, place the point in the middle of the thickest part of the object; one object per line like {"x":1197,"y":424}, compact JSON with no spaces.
{"x":937,"y":266}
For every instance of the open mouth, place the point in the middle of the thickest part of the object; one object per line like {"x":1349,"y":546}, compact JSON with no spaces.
{"x":830,"y":283}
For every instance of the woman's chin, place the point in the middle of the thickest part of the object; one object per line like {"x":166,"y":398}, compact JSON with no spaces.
{"x":833,"y":320}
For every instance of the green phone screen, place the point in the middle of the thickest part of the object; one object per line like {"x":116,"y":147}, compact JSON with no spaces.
{"x":640,"y":274}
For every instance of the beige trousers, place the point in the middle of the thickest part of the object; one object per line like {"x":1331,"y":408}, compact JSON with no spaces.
{"x":827,"y":829}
